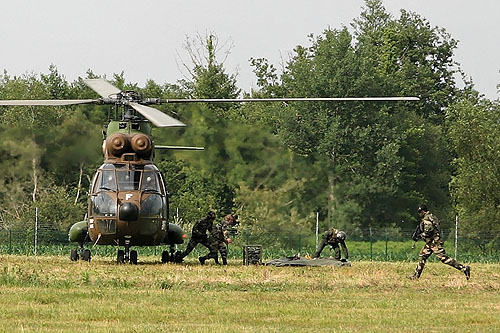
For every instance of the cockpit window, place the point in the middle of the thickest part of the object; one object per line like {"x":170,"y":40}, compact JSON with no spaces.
{"x":150,"y":182}
{"x":107,"y":181}
{"x":128,"y":180}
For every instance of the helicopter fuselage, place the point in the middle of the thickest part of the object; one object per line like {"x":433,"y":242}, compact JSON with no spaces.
{"x":128,"y":203}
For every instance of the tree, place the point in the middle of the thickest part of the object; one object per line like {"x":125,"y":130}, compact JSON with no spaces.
{"x":474,"y":124}
{"x":42,"y":150}
{"x":372,"y":151}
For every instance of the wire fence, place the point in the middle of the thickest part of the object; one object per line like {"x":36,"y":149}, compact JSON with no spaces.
{"x":370,"y":244}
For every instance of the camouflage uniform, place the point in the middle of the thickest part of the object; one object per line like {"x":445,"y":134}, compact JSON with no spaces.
{"x":334,"y":238}
{"x":434,"y":244}
{"x":218,"y":241}
{"x":199,"y":234}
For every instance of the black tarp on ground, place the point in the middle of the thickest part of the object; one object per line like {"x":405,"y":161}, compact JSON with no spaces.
{"x":298,"y":261}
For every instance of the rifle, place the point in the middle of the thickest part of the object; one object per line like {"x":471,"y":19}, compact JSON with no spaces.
{"x":417,"y":235}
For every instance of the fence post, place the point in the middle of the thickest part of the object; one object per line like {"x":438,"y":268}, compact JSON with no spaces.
{"x":386,"y":240}
{"x":456,"y":235}
{"x":371,"y":244}
{"x":36,"y":229}
{"x":10,"y":241}
{"x":300,"y":242}
{"x":317,"y":229}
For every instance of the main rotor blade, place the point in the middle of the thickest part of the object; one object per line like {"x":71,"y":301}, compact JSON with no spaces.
{"x":157,"y":117}
{"x":180,"y":147}
{"x":48,"y":102}
{"x":102,"y":87}
{"x":305,"y":99}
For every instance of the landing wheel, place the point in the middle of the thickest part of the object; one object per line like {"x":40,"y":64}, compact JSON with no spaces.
{"x":133,"y":257}
{"x":177,"y":257}
{"x":74,"y":255}
{"x":165,"y":257}
{"x":120,"y":257}
{"x":86,"y":255}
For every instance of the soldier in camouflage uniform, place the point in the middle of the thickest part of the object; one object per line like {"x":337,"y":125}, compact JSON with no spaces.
{"x":218,"y":240}
{"x":334,"y":238}
{"x":429,"y":225}
{"x":199,"y":233}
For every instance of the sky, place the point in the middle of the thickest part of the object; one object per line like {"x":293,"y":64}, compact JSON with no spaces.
{"x":146,"y":39}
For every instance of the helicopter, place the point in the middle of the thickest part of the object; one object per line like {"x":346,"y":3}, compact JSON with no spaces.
{"x":128,"y":202}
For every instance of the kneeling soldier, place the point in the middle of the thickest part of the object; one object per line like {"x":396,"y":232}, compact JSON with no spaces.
{"x":334,"y":238}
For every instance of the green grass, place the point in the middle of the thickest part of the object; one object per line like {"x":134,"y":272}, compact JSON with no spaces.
{"x":358,"y":250}
{"x":50,"y":293}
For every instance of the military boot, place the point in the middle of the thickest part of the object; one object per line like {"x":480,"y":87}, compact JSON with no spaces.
{"x":466,"y":271}
{"x":224,"y":261}
{"x":202,"y":260}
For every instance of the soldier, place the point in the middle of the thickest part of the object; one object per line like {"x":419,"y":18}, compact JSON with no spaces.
{"x":333,"y":237}
{"x":429,"y":225}
{"x":199,"y":233}
{"x":218,"y":240}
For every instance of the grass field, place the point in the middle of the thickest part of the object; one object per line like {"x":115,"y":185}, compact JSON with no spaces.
{"x":50,"y":293}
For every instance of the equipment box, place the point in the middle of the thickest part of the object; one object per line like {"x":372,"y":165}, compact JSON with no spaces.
{"x":252,"y":255}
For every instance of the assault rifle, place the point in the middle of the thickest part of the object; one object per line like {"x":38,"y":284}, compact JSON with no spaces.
{"x":417,"y":234}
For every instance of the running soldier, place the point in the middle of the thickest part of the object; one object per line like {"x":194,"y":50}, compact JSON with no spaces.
{"x":199,"y":234}
{"x":429,"y":225}
{"x":218,"y":240}
{"x":334,"y":238}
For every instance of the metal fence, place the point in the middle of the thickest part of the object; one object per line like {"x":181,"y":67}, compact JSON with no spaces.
{"x":370,"y":244}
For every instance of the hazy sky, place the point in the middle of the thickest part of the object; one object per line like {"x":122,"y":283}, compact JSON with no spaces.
{"x":145,"y":39}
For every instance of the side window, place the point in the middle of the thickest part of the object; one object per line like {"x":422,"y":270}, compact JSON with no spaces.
{"x":94,"y":181}
{"x":150,"y":182}
{"x":107,"y":181}
{"x":163,"y":190}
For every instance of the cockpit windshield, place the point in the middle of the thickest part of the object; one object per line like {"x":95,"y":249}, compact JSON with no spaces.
{"x":128,"y":180}
{"x":114,"y":177}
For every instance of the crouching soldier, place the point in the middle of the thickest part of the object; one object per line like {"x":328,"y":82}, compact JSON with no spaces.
{"x":334,"y":238}
{"x":199,"y":234}
{"x":429,"y":226}
{"x":218,"y":240}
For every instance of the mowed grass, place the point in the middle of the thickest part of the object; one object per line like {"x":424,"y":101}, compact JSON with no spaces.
{"x":50,"y":293}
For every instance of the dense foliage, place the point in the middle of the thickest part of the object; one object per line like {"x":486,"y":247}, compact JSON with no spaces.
{"x":359,"y":164}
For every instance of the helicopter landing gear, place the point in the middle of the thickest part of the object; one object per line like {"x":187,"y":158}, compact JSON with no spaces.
{"x":173,"y":256}
{"x":80,"y":253}
{"x":120,"y":257}
{"x":133,"y":257}
{"x":127,"y":255}
{"x":74,"y":255}
{"x":86,"y":255}
{"x":165,"y":257}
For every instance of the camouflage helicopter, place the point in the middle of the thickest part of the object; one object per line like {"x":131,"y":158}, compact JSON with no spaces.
{"x":128,"y":201}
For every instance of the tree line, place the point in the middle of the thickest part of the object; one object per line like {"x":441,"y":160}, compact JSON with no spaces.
{"x":357,"y":164}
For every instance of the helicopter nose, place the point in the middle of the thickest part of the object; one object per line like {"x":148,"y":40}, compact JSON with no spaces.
{"x":128,"y":212}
